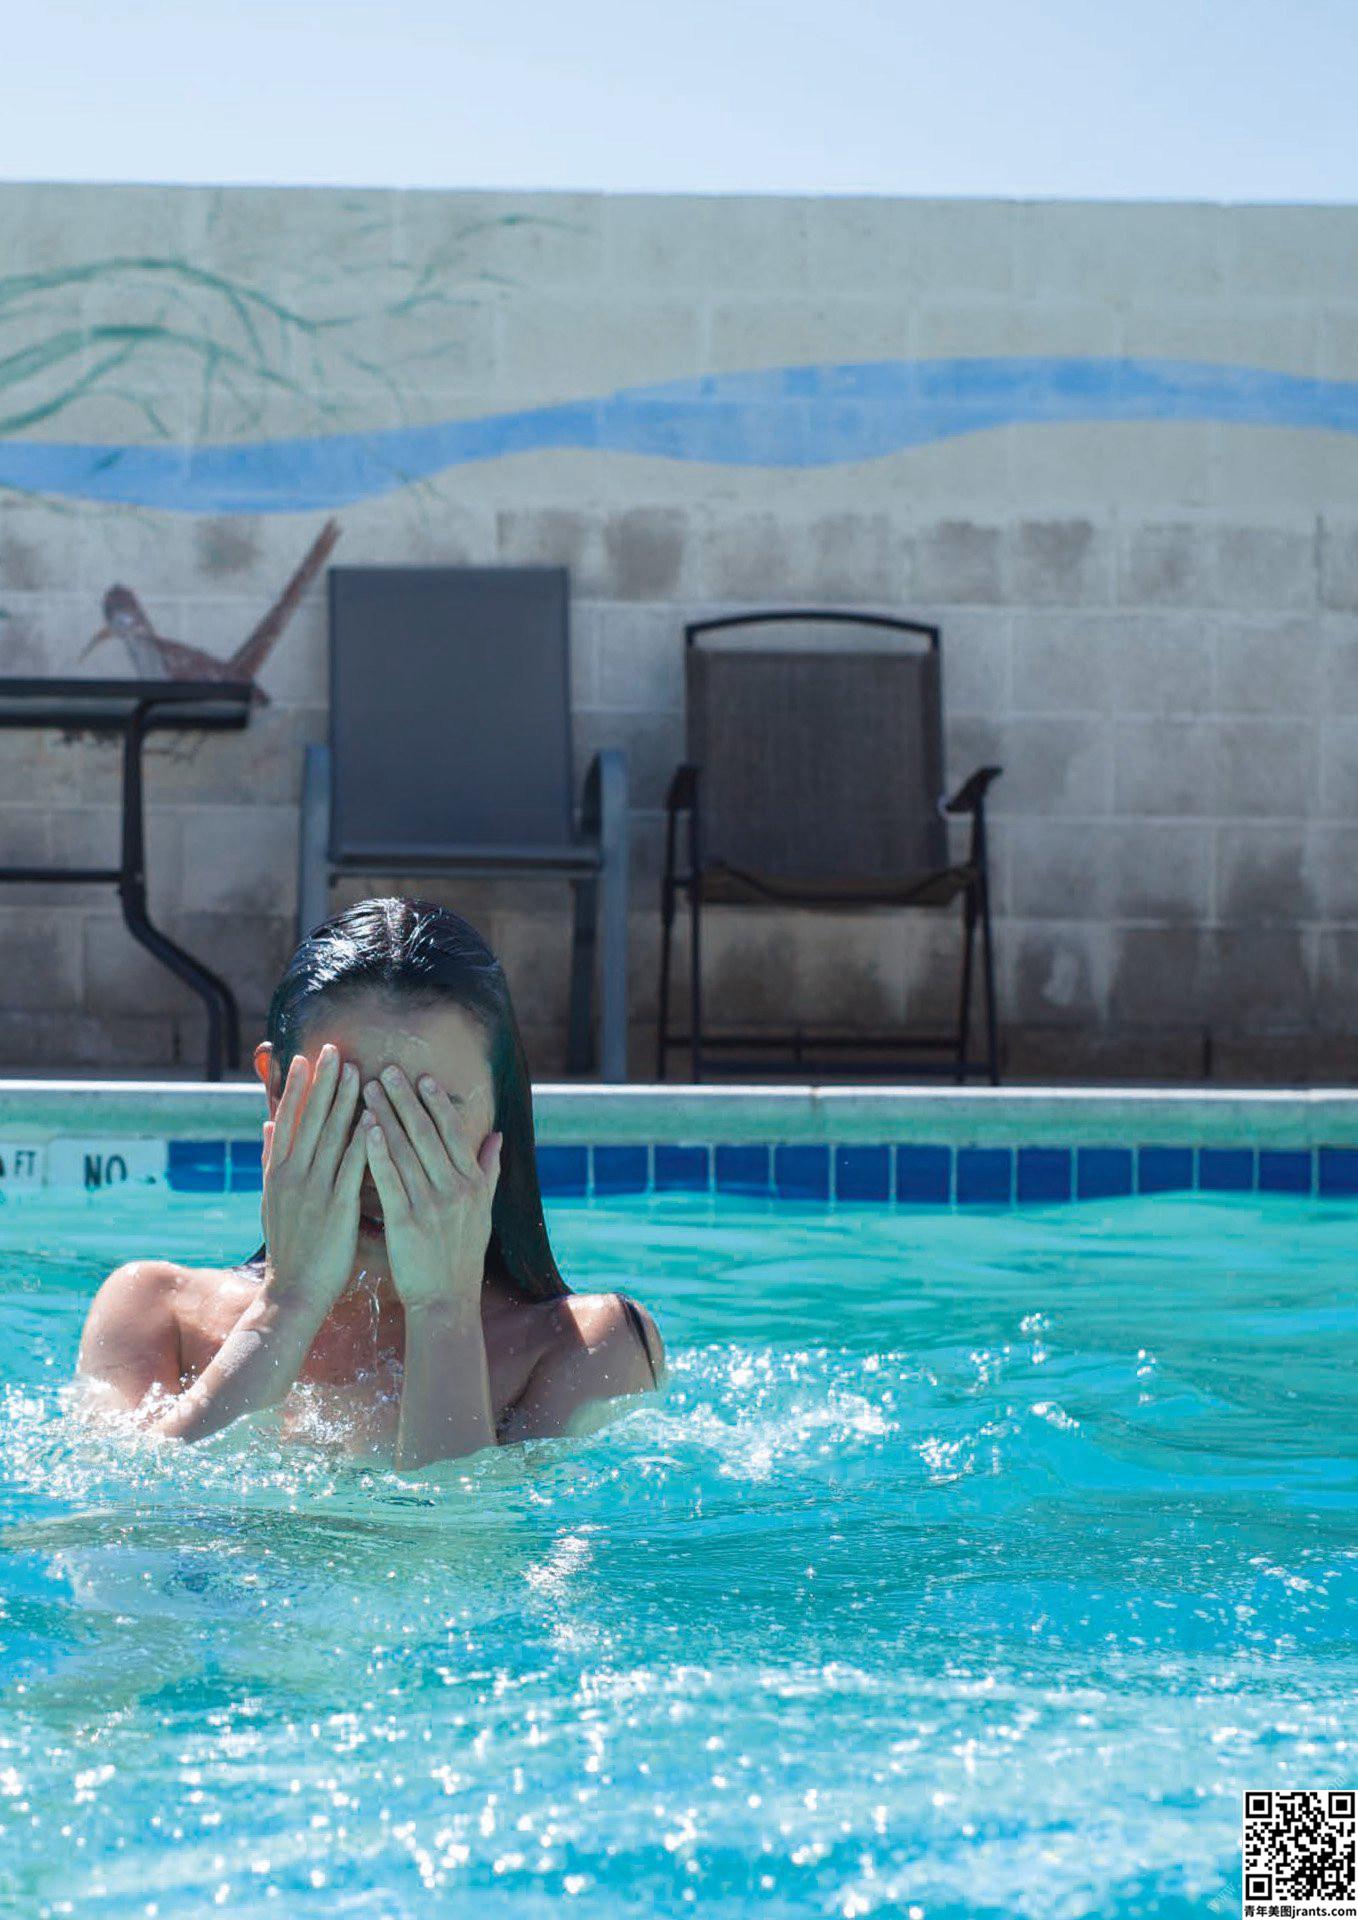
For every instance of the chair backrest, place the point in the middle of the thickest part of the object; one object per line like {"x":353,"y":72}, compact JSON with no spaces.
{"x":450,"y":718}
{"x":821,"y":761}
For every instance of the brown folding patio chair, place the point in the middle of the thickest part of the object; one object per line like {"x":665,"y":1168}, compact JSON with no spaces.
{"x":813,"y":778}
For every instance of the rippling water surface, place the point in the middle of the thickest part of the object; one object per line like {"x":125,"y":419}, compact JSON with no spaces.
{"x":970,"y":1564}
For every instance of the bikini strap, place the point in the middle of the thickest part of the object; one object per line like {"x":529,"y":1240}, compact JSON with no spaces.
{"x":635,"y":1318}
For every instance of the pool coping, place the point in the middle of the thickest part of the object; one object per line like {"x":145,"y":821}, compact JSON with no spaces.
{"x":575,"y":1113}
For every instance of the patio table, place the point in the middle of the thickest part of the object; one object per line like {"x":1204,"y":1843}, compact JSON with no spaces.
{"x":134,"y":708}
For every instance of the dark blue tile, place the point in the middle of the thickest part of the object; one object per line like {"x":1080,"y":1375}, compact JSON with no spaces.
{"x":1042,"y":1173}
{"x":1164,"y":1169}
{"x":197,"y":1166}
{"x":1226,"y":1169}
{"x":1338,"y":1170}
{"x":563,"y":1169}
{"x":741,"y":1169}
{"x":619,"y":1169}
{"x":686,"y":1168}
{"x":247,"y":1166}
{"x":802,"y":1173}
{"x":1284,"y":1170}
{"x":863,"y":1173}
{"x":924,"y":1174}
{"x":1101,"y":1173}
{"x":984,"y":1175}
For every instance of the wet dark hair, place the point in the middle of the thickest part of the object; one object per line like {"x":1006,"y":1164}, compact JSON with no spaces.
{"x":420,"y":954}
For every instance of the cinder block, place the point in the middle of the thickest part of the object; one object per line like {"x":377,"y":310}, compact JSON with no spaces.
{"x":557,"y":537}
{"x":1062,"y":662}
{"x":786,"y":331}
{"x":1339,"y":663}
{"x":1168,"y":565}
{"x":567,"y":345}
{"x":1339,"y":565}
{"x":1161,"y":976}
{"x":1164,"y":766}
{"x":66,"y":1041}
{"x":1059,"y":870}
{"x":1113,"y":251}
{"x":1263,"y":876}
{"x":1270,"y":666}
{"x":40,"y":959}
{"x":1161,"y":870}
{"x":1160,"y":663}
{"x":976,"y":649}
{"x":1331,"y":863}
{"x":768,"y":558}
{"x":639,"y":659}
{"x":1061,"y":563}
{"x":739,"y":242}
{"x":240,"y":860}
{"x":1267,"y":768}
{"x":1057,"y":766}
{"x":1265,"y":567}
{"x":1339,"y":769}
{"x":1260,"y":979}
{"x":959,"y":562}
{"x":1059,"y":972}
{"x":1336,"y":969}
{"x":1268,"y":247}
{"x":645,"y":551}
{"x":937,"y":247}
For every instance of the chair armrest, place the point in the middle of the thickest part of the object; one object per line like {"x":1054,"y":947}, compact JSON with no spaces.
{"x":970,"y":796}
{"x":683,"y":788}
{"x":603,"y":801}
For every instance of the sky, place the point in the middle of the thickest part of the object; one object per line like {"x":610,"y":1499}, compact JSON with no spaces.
{"x":1073,"y":99}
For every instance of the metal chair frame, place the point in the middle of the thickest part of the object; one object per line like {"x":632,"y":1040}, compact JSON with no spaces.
{"x":685,"y":797}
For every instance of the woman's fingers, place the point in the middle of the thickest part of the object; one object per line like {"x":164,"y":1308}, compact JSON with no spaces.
{"x":420,"y":1130}
{"x":387,"y":1180}
{"x":330,"y":1144}
{"x":267,"y":1147}
{"x":290,"y":1106}
{"x":317,"y":1109}
{"x":400,"y":1148}
{"x":349,"y":1178}
{"x":444,"y":1115}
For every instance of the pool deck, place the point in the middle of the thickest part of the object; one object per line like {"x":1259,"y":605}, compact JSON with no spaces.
{"x":40,"y":1110}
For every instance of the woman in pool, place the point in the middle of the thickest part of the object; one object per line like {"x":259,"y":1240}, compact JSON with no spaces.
{"x":405,"y":1265}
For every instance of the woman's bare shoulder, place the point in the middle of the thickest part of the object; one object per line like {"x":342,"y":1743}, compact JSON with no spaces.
{"x":148,"y":1317}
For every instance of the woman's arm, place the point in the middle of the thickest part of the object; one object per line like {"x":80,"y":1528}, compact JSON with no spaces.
{"x":130,"y":1349}
{"x":445,"y":1390}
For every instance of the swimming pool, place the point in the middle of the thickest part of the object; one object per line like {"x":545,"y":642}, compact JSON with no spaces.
{"x":977,"y":1557}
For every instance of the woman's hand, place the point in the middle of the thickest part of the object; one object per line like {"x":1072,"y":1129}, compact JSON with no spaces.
{"x":313,"y":1172}
{"x":436,"y":1190}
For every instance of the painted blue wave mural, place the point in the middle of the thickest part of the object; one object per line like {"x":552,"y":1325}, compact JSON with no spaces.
{"x":806,"y":416}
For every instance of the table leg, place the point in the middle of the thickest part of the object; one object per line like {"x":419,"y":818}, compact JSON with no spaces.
{"x":223,"y":1015}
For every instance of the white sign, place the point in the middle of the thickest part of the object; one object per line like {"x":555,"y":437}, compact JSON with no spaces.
{"x":102,"y":1163}
{"x":21,"y":1165}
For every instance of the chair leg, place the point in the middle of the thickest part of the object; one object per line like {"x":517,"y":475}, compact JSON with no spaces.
{"x":964,"y":1011}
{"x":580,"y":1040}
{"x":695,"y":977}
{"x":988,"y":977}
{"x":614,"y":880}
{"x":313,"y":878}
{"x":662,"y":1019}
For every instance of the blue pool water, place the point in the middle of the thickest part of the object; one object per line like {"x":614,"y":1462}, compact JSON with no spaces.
{"x":972,"y":1563}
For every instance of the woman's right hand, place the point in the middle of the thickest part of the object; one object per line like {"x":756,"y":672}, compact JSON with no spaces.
{"x":313,"y":1170}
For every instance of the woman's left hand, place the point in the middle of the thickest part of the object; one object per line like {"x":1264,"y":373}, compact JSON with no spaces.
{"x":436,"y":1190}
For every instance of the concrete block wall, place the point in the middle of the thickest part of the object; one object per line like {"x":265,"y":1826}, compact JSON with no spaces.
{"x":1149,"y":605}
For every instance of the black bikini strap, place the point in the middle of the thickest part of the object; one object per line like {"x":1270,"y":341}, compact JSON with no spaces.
{"x":635,"y":1318}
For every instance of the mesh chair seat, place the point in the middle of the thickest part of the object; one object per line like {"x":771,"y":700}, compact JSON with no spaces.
{"x":724,"y":885}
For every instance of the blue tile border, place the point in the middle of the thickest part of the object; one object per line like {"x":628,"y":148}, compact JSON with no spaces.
{"x":906,"y":1173}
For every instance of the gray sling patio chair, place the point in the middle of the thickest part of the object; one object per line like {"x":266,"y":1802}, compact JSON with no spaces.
{"x":813,"y":778}
{"x":450,"y":753}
